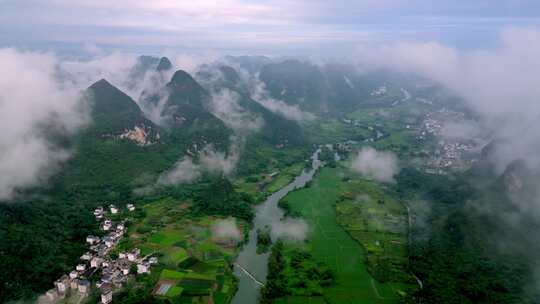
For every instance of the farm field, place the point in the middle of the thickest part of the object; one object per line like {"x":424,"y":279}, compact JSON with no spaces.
{"x":193,"y":264}
{"x":329,"y":242}
{"x":263,"y":185}
{"x":378,"y":222}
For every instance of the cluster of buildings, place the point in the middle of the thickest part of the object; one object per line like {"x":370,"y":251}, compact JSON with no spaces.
{"x":379,"y":91}
{"x":97,"y":267}
{"x":434,"y":121}
{"x":449,"y":152}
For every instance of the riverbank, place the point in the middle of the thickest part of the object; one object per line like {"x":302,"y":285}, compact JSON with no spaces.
{"x":330,"y":243}
{"x":267,"y":214}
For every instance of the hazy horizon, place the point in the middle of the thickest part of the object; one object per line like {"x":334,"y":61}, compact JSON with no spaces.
{"x":276,"y":27}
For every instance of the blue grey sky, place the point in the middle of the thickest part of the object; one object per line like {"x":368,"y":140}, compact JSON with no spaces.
{"x":256,"y":26}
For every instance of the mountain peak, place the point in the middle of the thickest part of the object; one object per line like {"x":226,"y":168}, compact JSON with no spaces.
{"x":164,"y":64}
{"x":185,"y":89}
{"x":229,"y":74}
{"x":108,"y":98}
{"x":181,"y":76}
{"x":101,"y":84}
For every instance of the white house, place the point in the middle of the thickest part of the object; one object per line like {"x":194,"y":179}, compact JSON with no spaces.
{"x":106,"y":225}
{"x":106,"y":294}
{"x":73,"y":274}
{"x":98,"y":211}
{"x":80,"y":267}
{"x":122,"y":255}
{"x":143,"y":268}
{"x":84,"y":286}
{"x":86,"y":256}
{"x":133,"y":255}
{"x":62,"y":285}
{"x":120,"y":227}
{"x":92,"y":239}
{"x":96,"y":262}
{"x":125,"y":267}
{"x":109,"y":242}
{"x":130,"y":207}
{"x":114,"y":209}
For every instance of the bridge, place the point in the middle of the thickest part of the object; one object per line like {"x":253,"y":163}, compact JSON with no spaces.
{"x":252,"y":277}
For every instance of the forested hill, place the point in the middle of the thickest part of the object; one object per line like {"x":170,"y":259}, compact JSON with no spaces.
{"x":458,"y":246}
{"x":275,"y":129}
{"x":42,"y":233}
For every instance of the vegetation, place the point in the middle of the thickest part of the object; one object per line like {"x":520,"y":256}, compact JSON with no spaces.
{"x":329,"y":243}
{"x":378,"y":222}
{"x":293,"y":272}
{"x":264,"y":241}
{"x":452,"y":256}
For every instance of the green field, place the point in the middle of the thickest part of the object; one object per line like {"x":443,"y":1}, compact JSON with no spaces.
{"x":191,"y":261}
{"x":378,"y":222}
{"x":330,"y":243}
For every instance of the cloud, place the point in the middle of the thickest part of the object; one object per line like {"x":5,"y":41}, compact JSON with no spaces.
{"x":184,"y":171}
{"x":209,"y":160}
{"x":500,"y":84}
{"x":381,"y":166}
{"x":463,"y":129}
{"x":290,"y":229}
{"x":215,"y":161}
{"x":114,"y":67}
{"x":261,"y":95}
{"x":226,"y":229}
{"x":224,"y":104}
{"x":34,"y":106}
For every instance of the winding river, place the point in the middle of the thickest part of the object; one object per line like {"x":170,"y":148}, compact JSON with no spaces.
{"x":251,"y":268}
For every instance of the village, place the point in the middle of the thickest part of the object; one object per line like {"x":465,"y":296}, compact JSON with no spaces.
{"x":98,"y":268}
{"x":449,"y":152}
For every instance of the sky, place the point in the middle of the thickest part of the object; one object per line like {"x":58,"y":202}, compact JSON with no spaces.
{"x":270,"y":27}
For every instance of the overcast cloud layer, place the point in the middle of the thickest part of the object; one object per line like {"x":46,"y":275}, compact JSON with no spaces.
{"x":264,"y":26}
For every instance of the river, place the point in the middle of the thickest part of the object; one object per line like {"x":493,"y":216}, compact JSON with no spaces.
{"x":251,"y":268}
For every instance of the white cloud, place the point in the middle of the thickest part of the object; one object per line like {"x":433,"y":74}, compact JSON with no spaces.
{"x":210,"y":160}
{"x":214,"y":161}
{"x":32,"y":105}
{"x":260,"y":94}
{"x":114,"y":67}
{"x":290,"y":229}
{"x":226,"y":229}
{"x":224,"y":104}
{"x":184,"y":171}
{"x":379,"y":165}
{"x":499,"y":84}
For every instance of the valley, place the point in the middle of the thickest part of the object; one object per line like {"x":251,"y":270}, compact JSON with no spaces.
{"x":232,"y":206}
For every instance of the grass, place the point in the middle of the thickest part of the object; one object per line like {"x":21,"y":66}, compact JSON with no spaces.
{"x":300,"y":300}
{"x":174,"y":255}
{"x":174,"y":291}
{"x":330,"y":243}
{"x":166,"y":237}
{"x":168,"y":274}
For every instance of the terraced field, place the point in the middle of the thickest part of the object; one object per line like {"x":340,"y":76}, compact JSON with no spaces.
{"x":332,"y":244}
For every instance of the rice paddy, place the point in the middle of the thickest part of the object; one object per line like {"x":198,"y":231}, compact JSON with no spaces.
{"x":329,"y":242}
